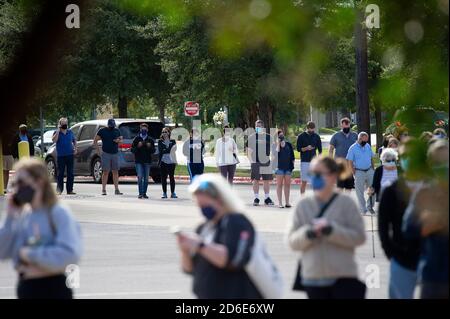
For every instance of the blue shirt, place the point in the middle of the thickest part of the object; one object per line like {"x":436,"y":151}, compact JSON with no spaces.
{"x":64,"y":145}
{"x":53,"y":250}
{"x":361,"y":156}
{"x":23,"y":138}
{"x":342,"y":143}
{"x":108,"y":136}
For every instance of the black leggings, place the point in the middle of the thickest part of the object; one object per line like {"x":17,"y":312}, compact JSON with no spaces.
{"x":53,"y":287}
{"x":344,"y":288}
{"x":167,"y":170}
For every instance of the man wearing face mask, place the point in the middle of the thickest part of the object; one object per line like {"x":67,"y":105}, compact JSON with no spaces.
{"x":360,"y":156}
{"x":22,"y":136}
{"x":309,"y":145}
{"x":143,"y":147}
{"x":111,"y":139}
{"x":339,"y":144}
{"x":66,"y":148}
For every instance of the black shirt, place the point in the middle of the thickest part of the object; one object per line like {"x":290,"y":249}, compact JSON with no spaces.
{"x":143,"y":154}
{"x":286,"y":157}
{"x":394,"y":200}
{"x":210,"y":282}
{"x":306,"y":139}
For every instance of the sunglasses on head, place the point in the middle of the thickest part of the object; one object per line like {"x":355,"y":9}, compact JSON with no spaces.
{"x":207,"y":188}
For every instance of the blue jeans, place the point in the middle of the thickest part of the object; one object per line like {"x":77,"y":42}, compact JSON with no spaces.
{"x":143,"y":171}
{"x":63,"y":163}
{"x":402,"y":282}
{"x":195,"y":169}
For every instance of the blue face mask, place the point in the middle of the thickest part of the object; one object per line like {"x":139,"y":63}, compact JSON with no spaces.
{"x":209,"y":212}
{"x":317,"y":182}
{"x":258,"y":130}
{"x":404,"y":164}
{"x":144,"y":132}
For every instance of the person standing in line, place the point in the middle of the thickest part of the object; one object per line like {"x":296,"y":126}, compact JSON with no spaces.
{"x":167,"y":161}
{"x":259,"y":152}
{"x":385,"y":144}
{"x":66,"y":148}
{"x":111,"y":138}
{"x":39,"y":235}
{"x":328,"y":242}
{"x":426,"y":219}
{"x":217,"y":253}
{"x":403,"y":253}
{"x":23,"y":135}
{"x":8,"y":158}
{"x":194,"y":149}
{"x":385,"y":174}
{"x":309,"y":145}
{"x":339,"y":144}
{"x":143,"y":147}
{"x":360,"y":157}
{"x":226,"y":151}
{"x":284,"y":151}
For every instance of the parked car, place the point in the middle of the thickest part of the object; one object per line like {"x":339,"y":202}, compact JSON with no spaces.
{"x":47,"y":140}
{"x":88,"y":163}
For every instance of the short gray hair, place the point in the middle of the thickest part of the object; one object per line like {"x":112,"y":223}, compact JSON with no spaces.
{"x":361,"y":134}
{"x":388,"y":155}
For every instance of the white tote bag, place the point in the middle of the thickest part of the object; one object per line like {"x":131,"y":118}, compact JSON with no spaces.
{"x":263,"y":272}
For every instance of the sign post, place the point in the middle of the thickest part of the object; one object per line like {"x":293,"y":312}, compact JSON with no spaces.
{"x":191,"y":108}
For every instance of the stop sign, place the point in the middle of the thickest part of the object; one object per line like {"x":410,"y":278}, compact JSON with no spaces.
{"x":191,"y":108}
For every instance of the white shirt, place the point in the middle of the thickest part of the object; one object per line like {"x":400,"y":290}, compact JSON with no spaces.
{"x":224,"y":151}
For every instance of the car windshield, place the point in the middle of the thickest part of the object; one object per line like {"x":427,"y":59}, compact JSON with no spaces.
{"x":130,"y":130}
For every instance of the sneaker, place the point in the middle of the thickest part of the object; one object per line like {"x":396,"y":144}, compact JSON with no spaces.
{"x":280,"y":206}
{"x":103,"y":192}
{"x":256,"y":202}
{"x":71,"y":193}
{"x":145,"y":196}
{"x":140,"y":196}
{"x":117,"y":192}
{"x":372,"y":211}
{"x":57,"y":193}
{"x":268,"y":201}
{"x":173,"y":195}
{"x":164,"y":195}
{"x":288,"y":206}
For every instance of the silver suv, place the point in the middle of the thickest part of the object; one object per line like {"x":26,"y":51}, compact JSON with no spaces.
{"x":88,"y":163}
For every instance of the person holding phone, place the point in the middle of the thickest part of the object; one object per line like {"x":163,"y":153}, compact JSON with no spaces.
{"x":66,"y":148}
{"x":111,"y":138}
{"x":284,"y":152}
{"x":327,"y":227}
{"x":39,"y":235}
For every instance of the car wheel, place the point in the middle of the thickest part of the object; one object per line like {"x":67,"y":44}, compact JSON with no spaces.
{"x":97,"y":170}
{"x":156,"y":179}
{"x":51,"y":168}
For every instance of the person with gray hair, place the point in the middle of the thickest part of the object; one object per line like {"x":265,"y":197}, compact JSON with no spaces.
{"x":385,"y":174}
{"x":360,"y":157}
{"x":66,"y":148}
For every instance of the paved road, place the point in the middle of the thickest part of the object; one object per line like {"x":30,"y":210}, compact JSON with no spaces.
{"x":129,"y":252}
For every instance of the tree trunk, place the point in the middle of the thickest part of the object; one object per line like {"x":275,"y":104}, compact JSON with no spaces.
{"x":122,"y":105}
{"x":362,"y":90}
{"x":378,"y":124}
{"x":162,"y":113}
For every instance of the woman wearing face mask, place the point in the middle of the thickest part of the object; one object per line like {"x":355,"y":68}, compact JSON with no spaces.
{"x":403,"y":253}
{"x":167,"y":162}
{"x":385,"y":174}
{"x":143,"y":147}
{"x":39,"y":235}
{"x":394,"y":144}
{"x":219,"y":250}
{"x":226,"y":154}
{"x":284,"y":152}
{"x":194,"y":149}
{"x":327,"y":227}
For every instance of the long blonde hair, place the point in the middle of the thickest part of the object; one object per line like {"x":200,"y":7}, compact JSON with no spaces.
{"x":38,"y":171}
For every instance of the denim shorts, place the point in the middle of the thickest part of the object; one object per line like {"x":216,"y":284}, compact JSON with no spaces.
{"x":283,"y":172}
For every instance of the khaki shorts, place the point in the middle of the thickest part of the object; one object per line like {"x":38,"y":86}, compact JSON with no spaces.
{"x":8,"y":162}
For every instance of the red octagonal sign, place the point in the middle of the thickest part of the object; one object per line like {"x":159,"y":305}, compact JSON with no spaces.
{"x":191,"y":108}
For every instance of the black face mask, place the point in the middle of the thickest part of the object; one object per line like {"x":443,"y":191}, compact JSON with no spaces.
{"x":64,"y":126}
{"x":23,"y":132}
{"x":24,"y":195}
{"x":281,"y":137}
{"x":363,"y":143}
{"x":346,"y":130}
